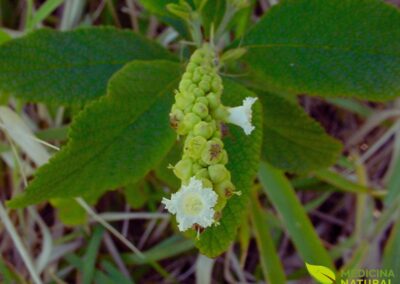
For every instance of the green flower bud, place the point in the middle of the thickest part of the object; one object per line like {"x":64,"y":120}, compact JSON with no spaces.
{"x":206,"y":183}
{"x":190,"y":120}
{"x":203,"y":129}
{"x":224,"y":158}
{"x":195,"y":146}
{"x":184,"y":84}
{"x":198,"y":92}
{"x":202,"y":100}
{"x":216,"y":85}
{"x":218,"y":173}
{"x":207,"y":78}
{"x":175,"y":117}
{"x":188,"y":108}
{"x":200,"y":109}
{"x":219,"y":206}
{"x":204,"y":85}
{"x":220,"y":113}
{"x":196,"y":76}
{"x":213,"y":100}
{"x":196,"y":167}
{"x":190,"y":68}
{"x":217,"y":133}
{"x":212,"y":153}
{"x":182,"y":101}
{"x":183,"y":169}
{"x":202,"y":173}
{"x":187,"y":124}
{"x":225,"y":188}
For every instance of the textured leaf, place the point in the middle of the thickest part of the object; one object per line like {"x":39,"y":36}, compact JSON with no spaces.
{"x":293,"y":141}
{"x":328,"y":48}
{"x":116,"y":139}
{"x":244,"y":153}
{"x":70,"y":67}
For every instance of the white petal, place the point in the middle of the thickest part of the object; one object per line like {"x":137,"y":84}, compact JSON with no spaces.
{"x":242,"y":115}
{"x":192,"y":204}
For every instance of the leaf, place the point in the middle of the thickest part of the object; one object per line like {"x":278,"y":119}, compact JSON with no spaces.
{"x":70,"y":67}
{"x":294,"y":217}
{"x":166,"y":174}
{"x":321,"y":273}
{"x":270,"y":263}
{"x":69,"y":212}
{"x":244,"y":153}
{"x":4,"y":37}
{"x":328,"y":48}
{"x":137,"y":194}
{"x":115,"y":140}
{"x":293,"y":141}
{"x":158,"y":8}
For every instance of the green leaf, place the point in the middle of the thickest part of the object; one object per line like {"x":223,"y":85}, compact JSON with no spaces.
{"x":4,"y":37}
{"x":70,"y":67}
{"x":69,"y":212}
{"x":244,"y":154}
{"x":270,"y":263}
{"x":166,"y":174}
{"x":328,"y":48}
{"x":137,"y":194}
{"x":116,"y":139}
{"x":321,"y":273}
{"x":293,"y":141}
{"x":158,"y":8}
{"x":294,"y":217}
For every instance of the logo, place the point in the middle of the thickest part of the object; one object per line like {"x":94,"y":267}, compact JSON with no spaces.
{"x":324,"y":275}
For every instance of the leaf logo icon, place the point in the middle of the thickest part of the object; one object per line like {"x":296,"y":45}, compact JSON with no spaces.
{"x":321,"y":273}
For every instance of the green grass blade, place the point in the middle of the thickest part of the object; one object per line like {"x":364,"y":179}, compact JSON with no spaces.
{"x":297,"y":223}
{"x":91,"y":255}
{"x":270,"y":263}
{"x":391,"y":257}
{"x":342,"y":183}
{"x":44,"y":11}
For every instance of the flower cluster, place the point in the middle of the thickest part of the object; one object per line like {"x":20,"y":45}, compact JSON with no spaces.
{"x":198,"y":115}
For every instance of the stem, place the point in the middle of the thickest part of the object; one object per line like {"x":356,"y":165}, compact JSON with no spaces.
{"x":229,"y":13}
{"x":195,"y":30}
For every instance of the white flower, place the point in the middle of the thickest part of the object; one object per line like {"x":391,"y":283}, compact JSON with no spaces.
{"x":242,"y":115}
{"x":192,"y":204}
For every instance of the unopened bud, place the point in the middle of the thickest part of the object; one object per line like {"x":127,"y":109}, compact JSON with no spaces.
{"x":225,"y":188}
{"x":203,"y":129}
{"x":218,"y":173}
{"x":212,"y":153}
{"x":195,"y":146}
{"x":200,"y":109}
{"x":183,"y":169}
